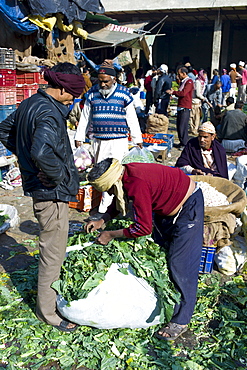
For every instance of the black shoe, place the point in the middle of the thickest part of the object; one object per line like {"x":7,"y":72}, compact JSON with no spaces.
{"x":96,"y":217}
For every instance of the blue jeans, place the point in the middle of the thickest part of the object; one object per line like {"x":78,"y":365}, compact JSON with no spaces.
{"x":182,"y":235}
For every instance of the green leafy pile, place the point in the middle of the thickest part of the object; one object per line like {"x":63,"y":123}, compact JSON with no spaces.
{"x":216,"y":339}
{"x":3,"y":218}
{"x":85,"y":269}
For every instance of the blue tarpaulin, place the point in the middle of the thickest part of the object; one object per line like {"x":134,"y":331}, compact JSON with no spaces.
{"x":72,"y":9}
{"x":12,"y":12}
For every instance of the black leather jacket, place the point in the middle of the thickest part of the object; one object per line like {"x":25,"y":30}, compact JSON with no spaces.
{"x":164,"y":83}
{"x":37,"y":133}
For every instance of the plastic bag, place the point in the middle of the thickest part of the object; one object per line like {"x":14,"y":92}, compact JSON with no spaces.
{"x":139,"y":155}
{"x":12,"y":221}
{"x":231,"y":258}
{"x":82,"y":158}
{"x":120,"y":301}
{"x":240,"y":175}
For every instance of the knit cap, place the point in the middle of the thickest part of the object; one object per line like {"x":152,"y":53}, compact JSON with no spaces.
{"x":207,"y":127}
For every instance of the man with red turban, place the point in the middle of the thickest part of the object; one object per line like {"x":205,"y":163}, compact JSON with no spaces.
{"x":37,"y":134}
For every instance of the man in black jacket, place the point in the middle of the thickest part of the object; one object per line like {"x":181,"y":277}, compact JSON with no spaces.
{"x":161,"y":97}
{"x":36,"y":132}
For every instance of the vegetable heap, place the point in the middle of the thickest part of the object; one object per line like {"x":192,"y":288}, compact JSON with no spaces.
{"x":212,"y":197}
{"x":85,"y":269}
{"x":150,"y":139}
{"x":3,"y":218}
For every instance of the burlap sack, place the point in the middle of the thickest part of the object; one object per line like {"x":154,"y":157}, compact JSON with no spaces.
{"x":235,"y":196}
{"x":157,"y":123}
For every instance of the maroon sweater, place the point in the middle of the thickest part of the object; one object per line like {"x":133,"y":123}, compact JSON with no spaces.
{"x":185,"y":95}
{"x":153,"y":188}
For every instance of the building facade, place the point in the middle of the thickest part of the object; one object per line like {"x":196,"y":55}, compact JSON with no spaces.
{"x":208,"y":34}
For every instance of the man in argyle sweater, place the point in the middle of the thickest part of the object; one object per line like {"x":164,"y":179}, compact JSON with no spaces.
{"x":110,"y":112}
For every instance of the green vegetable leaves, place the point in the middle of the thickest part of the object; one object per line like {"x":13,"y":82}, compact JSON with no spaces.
{"x":85,"y":269}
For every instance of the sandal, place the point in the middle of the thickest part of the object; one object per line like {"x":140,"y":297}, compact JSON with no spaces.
{"x":173,"y":330}
{"x":63,"y":326}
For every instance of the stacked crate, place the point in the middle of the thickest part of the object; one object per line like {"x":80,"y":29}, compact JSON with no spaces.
{"x":7,"y":82}
{"x":27,"y":84}
{"x":7,"y":95}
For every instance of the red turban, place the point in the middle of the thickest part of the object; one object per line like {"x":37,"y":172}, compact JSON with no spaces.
{"x":72,"y":83}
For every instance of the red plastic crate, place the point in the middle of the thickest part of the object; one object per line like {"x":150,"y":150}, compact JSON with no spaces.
{"x":40,"y":79}
{"x":7,"y":77}
{"x":7,"y":95}
{"x":25,"y":77}
{"x":29,"y":78}
{"x":25,"y":91}
{"x":88,"y":198}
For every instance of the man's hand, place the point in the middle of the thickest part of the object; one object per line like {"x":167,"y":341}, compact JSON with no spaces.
{"x":140,"y":145}
{"x":77,"y":143}
{"x":44,"y":180}
{"x":93,"y":225}
{"x":198,"y":172}
{"x":106,"y":236}
{"x":169,"y":91}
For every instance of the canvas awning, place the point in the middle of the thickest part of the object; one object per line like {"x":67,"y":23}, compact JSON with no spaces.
{"x":129,"y":35}
{"x":112,"y":38}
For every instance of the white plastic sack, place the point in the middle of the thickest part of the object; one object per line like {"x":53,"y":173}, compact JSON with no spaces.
{"x":232,"y":168}
{"x":231,"y":258}
{"x":240,"y":175}
{"x":13,"y":221}
{"x":120,"y":301}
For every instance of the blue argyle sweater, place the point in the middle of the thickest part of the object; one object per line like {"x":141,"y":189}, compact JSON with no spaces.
{"x":108,"y":114}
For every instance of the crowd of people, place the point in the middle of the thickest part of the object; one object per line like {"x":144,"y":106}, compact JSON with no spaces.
{"x":165,"y":201}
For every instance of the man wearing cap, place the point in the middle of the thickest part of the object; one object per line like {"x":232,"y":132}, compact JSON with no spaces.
{"x":204,"y":155}
{"x":36,"y":133}
{"x":184,"y":95}
{"x":242,"y":82}
{"x":109,"y":108}
{"x":234,"y":75}
{"x":169,"y":200}
{"x":161,"y":97}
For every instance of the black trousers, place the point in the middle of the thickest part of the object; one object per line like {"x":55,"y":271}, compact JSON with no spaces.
{"x":183,"y":117}
{"x":162,"y":106}
{"x":182,"y":235}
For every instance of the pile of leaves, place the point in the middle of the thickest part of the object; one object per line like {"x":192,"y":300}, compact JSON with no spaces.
{"x":3,"y":218}
{"x":85,"y":269}
{"x":216,"y":339}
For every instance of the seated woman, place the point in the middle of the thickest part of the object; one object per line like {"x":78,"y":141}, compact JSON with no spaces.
{"x":203,"y":155}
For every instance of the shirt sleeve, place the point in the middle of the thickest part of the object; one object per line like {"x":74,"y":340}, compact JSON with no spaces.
{"x":84,"y":123}
{"x":133,"y":123}
{"x":187,"y":88}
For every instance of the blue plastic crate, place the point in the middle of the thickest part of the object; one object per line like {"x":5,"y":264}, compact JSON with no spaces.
{"x":167,"y":137}
{"x":207,"y":259}
{"x":3,"y":172}
{"x":4,"y":151}
{"x":6,"y":110}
